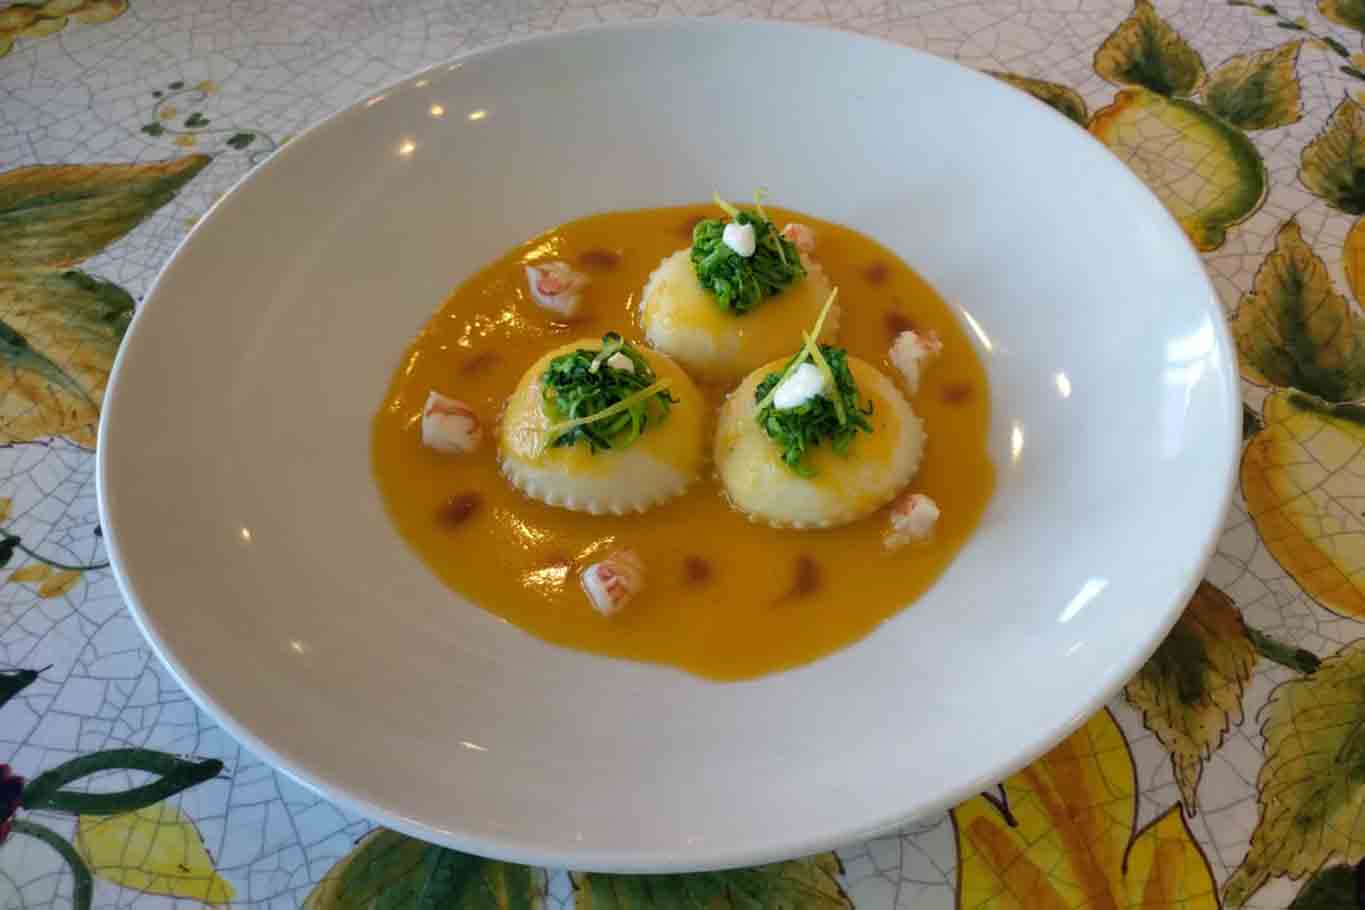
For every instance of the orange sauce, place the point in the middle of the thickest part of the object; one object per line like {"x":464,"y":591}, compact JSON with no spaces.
{"x":726,"y":598}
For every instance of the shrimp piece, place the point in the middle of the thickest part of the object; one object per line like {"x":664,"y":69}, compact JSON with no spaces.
{"x":911,"y":353}
{"x":912,"y":519}
{"x":801,"y":236}
{"x":556,"y":287}
{"x":614,"y":582}
{"x":450,"y":425}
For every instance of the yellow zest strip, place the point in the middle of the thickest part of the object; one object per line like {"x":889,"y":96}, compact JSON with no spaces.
{"x":554,"y":431}
{"x":805,"y":351}
{"x":813,"y":350}
{"x":774,"y":236}
{"x":725,"y":206}
{"x":758,"y":204}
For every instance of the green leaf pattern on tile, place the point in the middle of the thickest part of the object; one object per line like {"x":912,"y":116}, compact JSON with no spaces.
{"x":1312,"y":785}
{"x":388,"y":869}
{"x":1061,"y":99}
{"x":805,"y":884}
{"x":1332,"y":166}
{"x":1257,"y":91}
{"x":1295,"y":331}
{"x":60,"y":327}
{"x":1146,"y":52}
{"x":1190,"y":690}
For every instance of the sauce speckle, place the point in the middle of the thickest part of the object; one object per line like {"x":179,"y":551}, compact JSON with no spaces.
{"x":877,"y":273}
{"x":696,"y":570}
{"x":897,"y":322}
{"x":770,"y":599}
{"x":479,"y":362}
{"x":957,"y":392}
{"x":600,"y":259}
{"x":808,"y":579}
{"x":458,"y":509}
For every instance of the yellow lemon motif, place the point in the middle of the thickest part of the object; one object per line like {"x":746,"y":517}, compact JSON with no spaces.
{"x":1303,"y":478}
{"x":1207,"y":173}
{"x":156,"y":849}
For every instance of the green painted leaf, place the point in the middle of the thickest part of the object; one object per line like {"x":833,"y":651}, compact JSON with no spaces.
{"x":1350,"y":13}
{"x":391,"y":870}
{"x":1295,"y":331}
{"x":1333,"y":888}
{"x":1190,"y":691}
{"x":805,"y":884}
{"x":8,"y":544}
{"x":1311,"y":788}
{"x":1332,"y":166}
{"x":56,"y":216}
{"x":1337,"y":47}
{"x":83,"y":886}
{"x":153,"y":129}
{"x":18,"y":355}
{"x":1058,"y":97}
{"x":59,"y":332}
{"x":48,"y":790}
{"x":1300,"y":660}
{"x":196,"y":120}
{"x":1144,"y":51}
{"x":241,"y":140}
{"x":1257,"y":91}
{"x":60,"y":328}
{"x":12,"y":682}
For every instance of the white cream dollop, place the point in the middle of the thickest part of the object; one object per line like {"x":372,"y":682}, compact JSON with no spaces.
{"x":805,"y":382}
{"x":740,"y":238}
{"x":619,"y":361}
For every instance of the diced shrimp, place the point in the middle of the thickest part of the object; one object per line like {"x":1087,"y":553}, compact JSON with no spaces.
{"x":912,"y":519}
{"x":450,"y":425}
{"x":911,"y":353}
{"x":614,"y":582}
{"x":801,"y":236}
{"x":556,"y":287}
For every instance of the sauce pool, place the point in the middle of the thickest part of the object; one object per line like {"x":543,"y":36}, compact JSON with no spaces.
{"x":725,"y":598}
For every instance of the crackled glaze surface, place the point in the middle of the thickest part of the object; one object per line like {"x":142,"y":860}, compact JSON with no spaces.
{"x":1186,"y":792}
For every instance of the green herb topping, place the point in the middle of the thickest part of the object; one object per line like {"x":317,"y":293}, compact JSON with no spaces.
{"x":605,"y":406}
{"x":740,"y":284}
{"x":833,"y":415}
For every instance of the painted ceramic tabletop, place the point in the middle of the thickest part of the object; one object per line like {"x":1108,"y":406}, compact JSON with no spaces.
{"x":1231,"y":771}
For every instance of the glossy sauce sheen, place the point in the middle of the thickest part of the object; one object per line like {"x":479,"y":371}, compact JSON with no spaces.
{"x":725,"y":598}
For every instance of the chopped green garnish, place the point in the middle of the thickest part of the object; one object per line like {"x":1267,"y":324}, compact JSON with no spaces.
{"x":833,"y":415}
{"x":740,"y":284}
{"x":605,"y":406}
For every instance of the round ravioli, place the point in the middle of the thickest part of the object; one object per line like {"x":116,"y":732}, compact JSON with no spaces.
{"x":657,"y":466}
{"x":684,"y":321}
{"x":844,"y":488}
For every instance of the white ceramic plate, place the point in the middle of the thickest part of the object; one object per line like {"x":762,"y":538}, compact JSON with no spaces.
{"x":250,"y":540}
